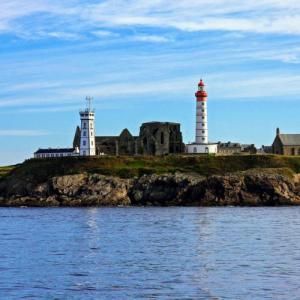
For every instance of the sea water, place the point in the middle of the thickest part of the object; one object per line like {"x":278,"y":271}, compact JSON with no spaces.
{"x":150,"y":253}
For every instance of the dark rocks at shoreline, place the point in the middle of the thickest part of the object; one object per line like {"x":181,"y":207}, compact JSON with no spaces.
{"x":236,"y":190}
{"x":73,"y":190}
{"x":159,"y":190}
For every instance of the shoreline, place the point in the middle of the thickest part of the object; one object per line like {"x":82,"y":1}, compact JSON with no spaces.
{"x":153,"y":181}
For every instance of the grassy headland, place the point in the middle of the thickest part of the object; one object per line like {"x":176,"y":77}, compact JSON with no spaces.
{"x":39,"y":170}
{"x":5,"y":171}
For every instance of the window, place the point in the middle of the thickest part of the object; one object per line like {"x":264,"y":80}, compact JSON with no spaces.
{"x":84,"y":133}
{"x":84,"y":153}
{"x":92,"y":143}
{"x":91,"y":133}
{"x":57,"y":155}
{"x":293,"y":152}
{"x":195,"y":149}
{"x":162,"y":138}
{"x":298,"y":151}
{"x":203,"y":131}
{"x":203,"y":139}
{"x":84,"y":143}
{"x":84,"y":125}
{"x":61,"y":154}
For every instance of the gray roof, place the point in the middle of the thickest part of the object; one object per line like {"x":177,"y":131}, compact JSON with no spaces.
{"x":229,"y":145}
{"x":55,"y":150}
{"x":160,"y":123}
{"x":290,"y":139}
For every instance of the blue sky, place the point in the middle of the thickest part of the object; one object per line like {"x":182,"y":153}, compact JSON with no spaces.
{"x":141,"y":61}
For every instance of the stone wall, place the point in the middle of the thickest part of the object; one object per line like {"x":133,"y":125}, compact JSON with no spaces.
{"x":157,"y":138}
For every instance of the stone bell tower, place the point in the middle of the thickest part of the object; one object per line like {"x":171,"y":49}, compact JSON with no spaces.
{"x":87,"y":137}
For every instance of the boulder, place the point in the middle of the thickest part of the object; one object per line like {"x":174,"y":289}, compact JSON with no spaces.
{"x":90,"y":190}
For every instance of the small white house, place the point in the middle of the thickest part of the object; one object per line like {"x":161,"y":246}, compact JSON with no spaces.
{"x":56,"y":152}
{"x":208,"y":148}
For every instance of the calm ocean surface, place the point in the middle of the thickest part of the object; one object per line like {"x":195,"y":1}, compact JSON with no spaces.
{"x":150,"y":253}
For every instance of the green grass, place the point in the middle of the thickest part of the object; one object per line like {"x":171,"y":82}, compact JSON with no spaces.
{"x":5,"y":171}
{"x":39,"y":170}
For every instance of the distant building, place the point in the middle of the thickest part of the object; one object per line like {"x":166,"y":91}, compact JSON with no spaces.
{"x":266,"y":149}
{"x":201,"y":144}
{"x":231,"y":148}
{"x":249,"y":149}
{"x":57,"y":152}
{"x":155,"y":138}
{"x":286,"y":144}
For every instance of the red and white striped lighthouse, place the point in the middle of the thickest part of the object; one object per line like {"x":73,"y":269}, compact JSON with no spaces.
{"x":201,"y":144}
{"x":201,"y":115}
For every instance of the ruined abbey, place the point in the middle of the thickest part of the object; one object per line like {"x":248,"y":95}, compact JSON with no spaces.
{"x":155,"y":138}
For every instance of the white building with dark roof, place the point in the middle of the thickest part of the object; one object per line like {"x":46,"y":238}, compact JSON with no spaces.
{"x":56,"y":152}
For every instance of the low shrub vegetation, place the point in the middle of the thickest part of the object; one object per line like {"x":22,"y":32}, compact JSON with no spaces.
{"x":39,"y":170}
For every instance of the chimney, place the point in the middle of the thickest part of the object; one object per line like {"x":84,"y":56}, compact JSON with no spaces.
{"x":277,"y":131}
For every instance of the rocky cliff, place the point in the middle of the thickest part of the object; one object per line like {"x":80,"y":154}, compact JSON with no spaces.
{"x":244,"y":189}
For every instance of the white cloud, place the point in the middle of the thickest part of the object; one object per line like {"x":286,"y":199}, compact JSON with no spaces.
{"x":104,"y":33}
{"x":62,"y":35}
{"x":151,"y":38}
{"x":267,"y":16}
{"x":264,"y":16}
{"x":223,"y":85}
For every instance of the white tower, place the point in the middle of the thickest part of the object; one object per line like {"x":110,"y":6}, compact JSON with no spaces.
{"x":201,"y":115}
{"x":87,"y":137}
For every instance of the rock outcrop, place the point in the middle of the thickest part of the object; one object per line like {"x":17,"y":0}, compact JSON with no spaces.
{"x":71,"y":190}
{"x":252,"y":189}
{"x":243,"y":189}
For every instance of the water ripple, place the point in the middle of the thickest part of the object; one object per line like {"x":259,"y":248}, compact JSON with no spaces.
{"x":150,"y":253}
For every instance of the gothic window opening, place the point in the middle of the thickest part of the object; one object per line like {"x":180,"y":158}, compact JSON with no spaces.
{"x":162,"y":138}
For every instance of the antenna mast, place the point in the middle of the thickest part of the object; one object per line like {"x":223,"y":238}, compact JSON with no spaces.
{"x":89,"y":102}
